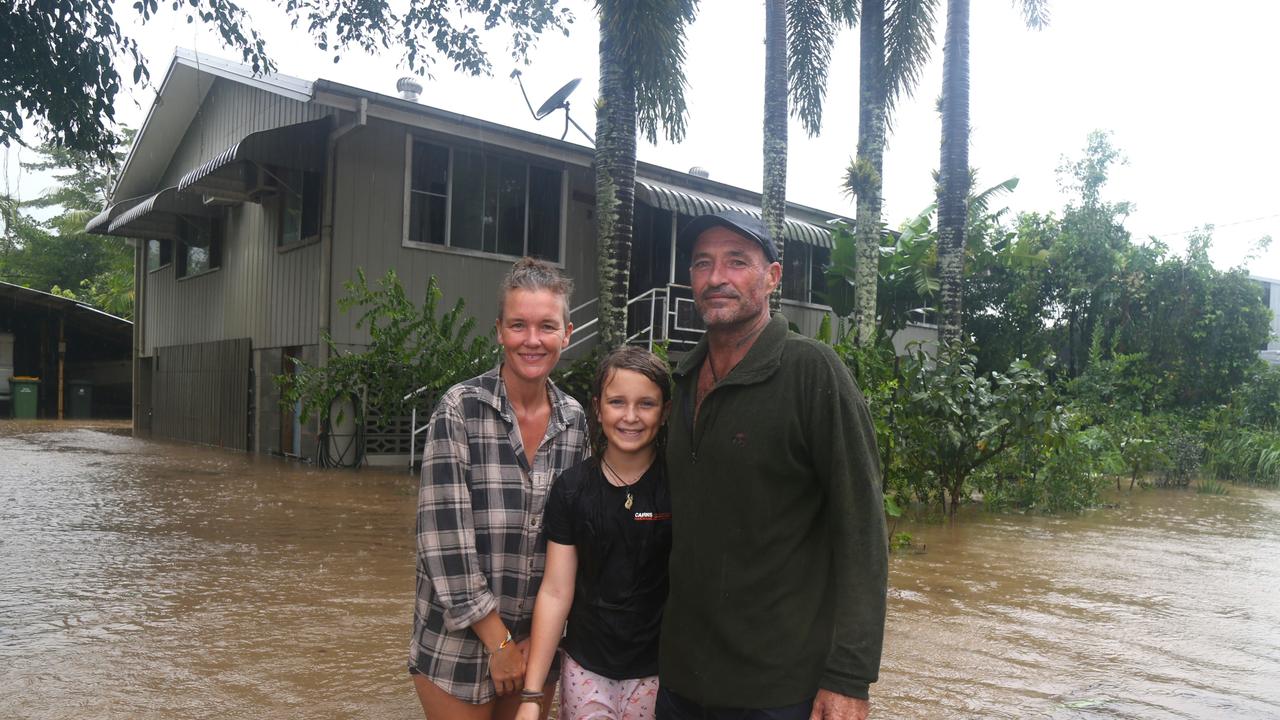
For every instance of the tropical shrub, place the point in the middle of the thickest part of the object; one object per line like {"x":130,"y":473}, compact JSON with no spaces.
{"x":576,"y":379}
{"x":952,"y":421}
{"x":1182,"y":451}
{"x":1239,"y":453}
{"x":1139,"y":447}
{"x":411,"y":347}
{"x":875,"y":369}
{"x":1059,"y":469}
{"x":1073,"y":473}
{"x":1258,"y":397}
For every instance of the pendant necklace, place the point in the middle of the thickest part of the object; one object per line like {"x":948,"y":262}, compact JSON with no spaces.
{"x":625,"y":484}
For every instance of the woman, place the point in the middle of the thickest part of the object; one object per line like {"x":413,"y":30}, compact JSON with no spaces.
{"x":608,"y":524}
{"x":494,"y":446}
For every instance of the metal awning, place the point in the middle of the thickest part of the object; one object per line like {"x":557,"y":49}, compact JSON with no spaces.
{"x":160,"y":216}
{"x":299,"y":147}
{"x":688,"y":202}
{"x":99,"y":223}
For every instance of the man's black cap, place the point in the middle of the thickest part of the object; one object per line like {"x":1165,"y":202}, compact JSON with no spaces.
{"x":739,"y":222}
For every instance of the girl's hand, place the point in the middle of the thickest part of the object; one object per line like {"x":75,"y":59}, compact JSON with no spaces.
{"x":529,"y":711}
{"x":506,"y":667}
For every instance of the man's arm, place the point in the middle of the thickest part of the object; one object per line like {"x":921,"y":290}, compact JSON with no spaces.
{"x":845,"y":452}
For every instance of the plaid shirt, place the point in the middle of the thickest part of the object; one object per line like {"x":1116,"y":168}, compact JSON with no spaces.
{"x":480,"y":540}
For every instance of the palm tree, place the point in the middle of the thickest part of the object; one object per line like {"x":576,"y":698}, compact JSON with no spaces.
{"x":798,"y":39}
{"x":953,"y":171}
{"x":893,"y":50}
{"x":641,"y":87}
{"x":773,"y":200}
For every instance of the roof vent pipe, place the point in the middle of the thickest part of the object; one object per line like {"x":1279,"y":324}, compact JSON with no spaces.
{"x":701,"y":172}
{"x":409,"y":87}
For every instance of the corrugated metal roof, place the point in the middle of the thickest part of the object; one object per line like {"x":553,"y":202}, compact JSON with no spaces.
{"x":155,"y":217}
{"x":688,"y":202}
{"x":101,"y":222}
{"x":300,"y":146}
{"x":39,"y":297}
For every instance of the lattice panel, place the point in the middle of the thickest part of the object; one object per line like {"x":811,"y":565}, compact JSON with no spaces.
{"x":390,"y":435}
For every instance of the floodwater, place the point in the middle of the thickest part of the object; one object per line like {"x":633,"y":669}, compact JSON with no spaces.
{"x":149,"y":580}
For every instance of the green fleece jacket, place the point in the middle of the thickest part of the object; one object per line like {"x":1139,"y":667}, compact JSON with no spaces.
{"x":779,"y":563}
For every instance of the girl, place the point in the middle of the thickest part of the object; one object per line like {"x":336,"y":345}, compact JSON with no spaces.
{"x":608,"y":525}
{"x":494,"y":446}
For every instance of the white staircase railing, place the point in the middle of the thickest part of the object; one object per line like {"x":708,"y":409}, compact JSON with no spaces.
{"x":413,"y":425}
{"x":663,"y":305}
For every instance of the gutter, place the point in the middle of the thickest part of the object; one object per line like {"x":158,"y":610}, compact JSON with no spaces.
{"x":415,"y":114}
{"x":326,"y":229}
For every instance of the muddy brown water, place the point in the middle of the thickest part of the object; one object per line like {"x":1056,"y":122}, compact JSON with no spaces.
{"x":148,"y":580}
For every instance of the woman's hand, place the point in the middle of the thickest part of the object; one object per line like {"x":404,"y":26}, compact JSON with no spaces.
{"x":506,"y":667}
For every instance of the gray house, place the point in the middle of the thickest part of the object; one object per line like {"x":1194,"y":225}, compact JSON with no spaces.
{"x":1271,"y":298}
{"x":256,"y":198}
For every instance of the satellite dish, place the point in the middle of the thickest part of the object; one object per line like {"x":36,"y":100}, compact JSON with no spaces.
{"x":558,"y":100}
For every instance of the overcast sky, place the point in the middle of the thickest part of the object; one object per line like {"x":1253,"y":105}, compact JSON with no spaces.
{"x":1190,"y":95}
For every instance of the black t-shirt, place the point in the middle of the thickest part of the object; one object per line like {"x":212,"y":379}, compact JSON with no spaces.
{"x":621,"y":585}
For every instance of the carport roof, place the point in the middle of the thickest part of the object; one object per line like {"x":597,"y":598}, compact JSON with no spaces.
{"x":90,"y":317}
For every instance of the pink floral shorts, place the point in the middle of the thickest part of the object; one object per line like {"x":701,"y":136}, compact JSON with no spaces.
{"x":585,"y":695}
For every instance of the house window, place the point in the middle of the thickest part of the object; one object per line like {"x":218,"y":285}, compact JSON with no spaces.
{"x":200,"y":245}
{"x":473,"y":200}
{"x":804,"y":272}
{"x":299,"y":203}
{"x":428,"y":194}
{"x":159,"y":254}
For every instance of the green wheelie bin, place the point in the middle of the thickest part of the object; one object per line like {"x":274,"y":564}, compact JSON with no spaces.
{"x":26,"y":394}
{"x":79,"y":399}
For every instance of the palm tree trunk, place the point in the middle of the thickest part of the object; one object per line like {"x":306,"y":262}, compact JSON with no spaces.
{"x":953,"y":180}
{"x":774,"y":197}
{"x":869,"y":165}
{"x":615,"y":166}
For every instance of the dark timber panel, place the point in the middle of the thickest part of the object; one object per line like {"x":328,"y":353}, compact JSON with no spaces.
{"x":200,"y":393}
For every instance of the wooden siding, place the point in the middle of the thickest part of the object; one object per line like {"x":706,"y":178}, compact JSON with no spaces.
{"x":200,"y":393}
{"x":260,"y":292}
{"x":369,"y":229}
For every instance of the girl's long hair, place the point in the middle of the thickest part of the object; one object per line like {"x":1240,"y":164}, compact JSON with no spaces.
{"x":638,"y":360}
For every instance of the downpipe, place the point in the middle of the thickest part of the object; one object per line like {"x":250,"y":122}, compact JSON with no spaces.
{"x":326,"y":248}
{"x":326,"y":230}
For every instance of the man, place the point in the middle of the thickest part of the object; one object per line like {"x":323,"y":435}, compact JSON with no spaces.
{"x":779,"y":563}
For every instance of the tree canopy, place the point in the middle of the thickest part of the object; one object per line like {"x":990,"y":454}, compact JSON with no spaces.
{"x":55,"y":254}
{"x":61,"y":60}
